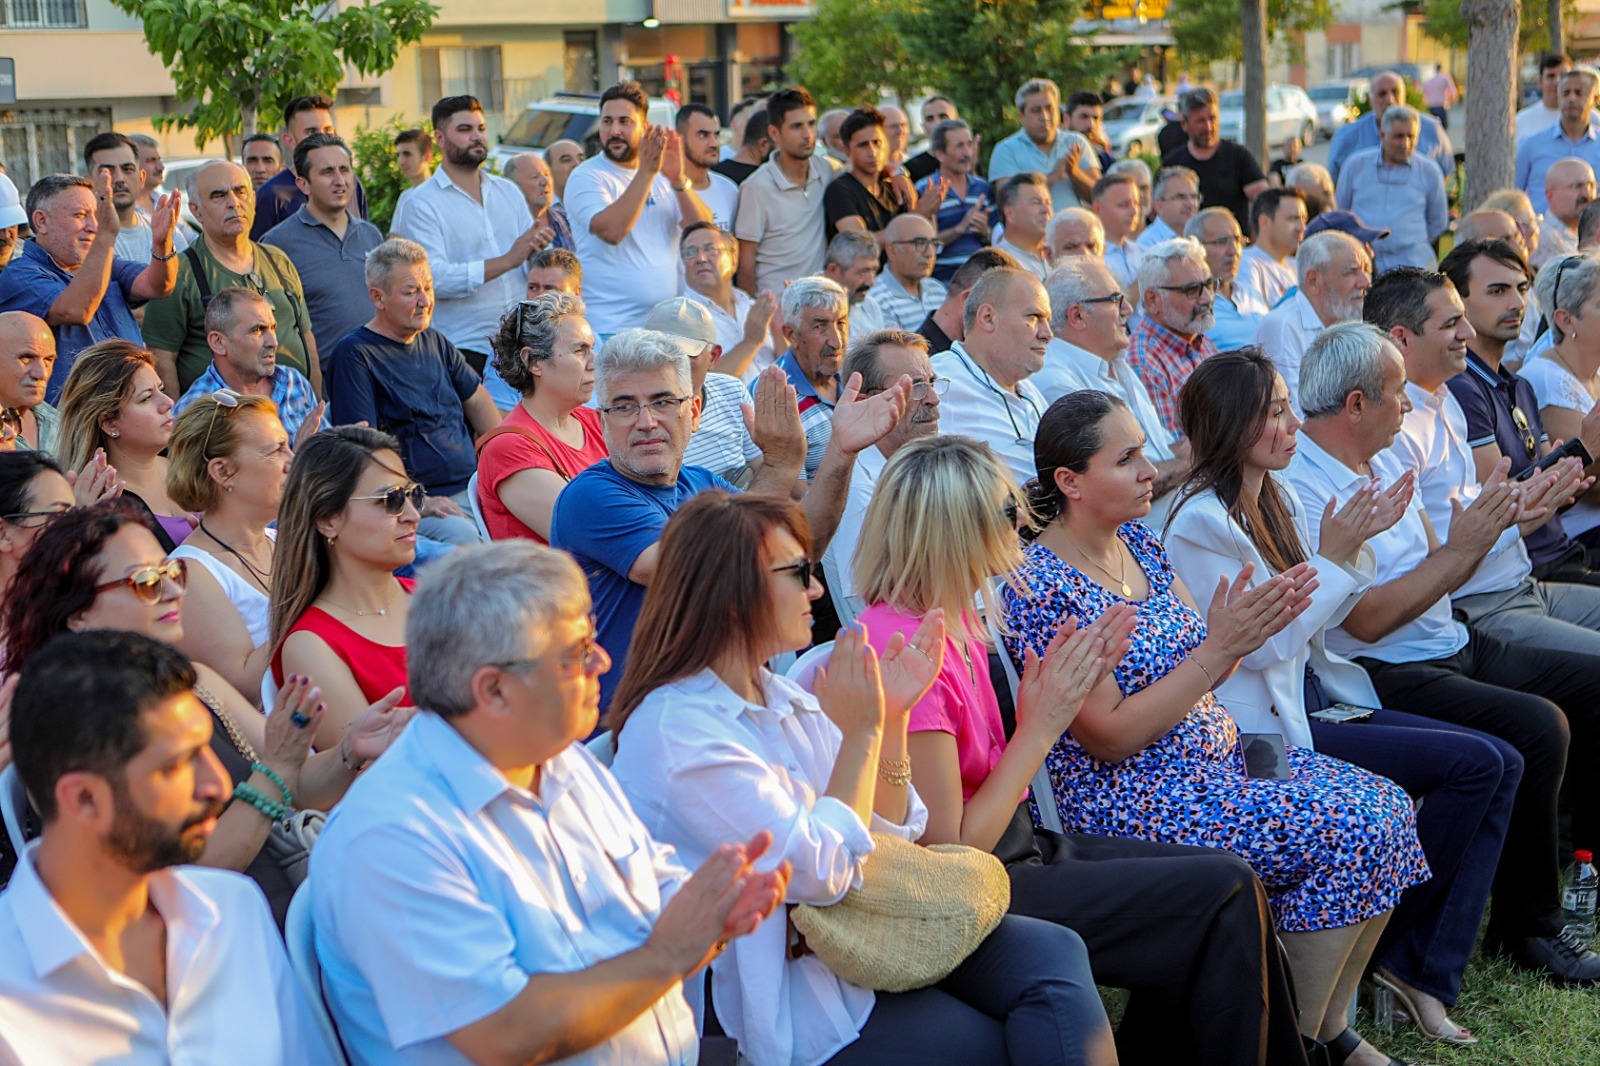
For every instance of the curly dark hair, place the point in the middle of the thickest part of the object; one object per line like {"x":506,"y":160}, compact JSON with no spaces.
{"x":56,"y":579}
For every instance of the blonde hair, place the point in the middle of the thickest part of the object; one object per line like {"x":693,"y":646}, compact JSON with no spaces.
{"x":935,"y":534}
{"x":99,"y":384}
{"x":205,"y":431}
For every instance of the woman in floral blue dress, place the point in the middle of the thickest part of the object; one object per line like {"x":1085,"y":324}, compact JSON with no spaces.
{"x":1152,"y":755}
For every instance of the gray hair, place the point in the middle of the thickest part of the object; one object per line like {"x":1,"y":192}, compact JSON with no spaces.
{"x":816,"y":291}
{"x":1169,"y":174}
{"x":1344,"y":358}
{"x":476,"y":607}
{"x":144,"y":140}
{"x":191,"y":181}
{"x":1401,"y":113}
{"x":1196,"y":98}
{"x":1137,"y":167}
{"x":1073,"y":214}
{"x":390,"y":254}
{"x":514,"y":164}
{"x":1077,"y":279}
{"x":638,"y":350}
{"x":939,"y":136}
{"x":1155,"y":269}
{"x":1196,"y":226}
{"x":50,"y":186}
{"x":847,"y":246}
{"x":534,"y":325}
{"x":1307,"y":175}
{"x":1037,"y":85}
{"x":1318,"y":251}
{"x":222,"y":310}
{"x":862,"y":355}
{"x":1578,"y":282}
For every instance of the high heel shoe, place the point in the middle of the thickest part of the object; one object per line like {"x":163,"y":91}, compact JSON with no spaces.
{"x":1450,"y":1033}
{"x":1344,"y":1045}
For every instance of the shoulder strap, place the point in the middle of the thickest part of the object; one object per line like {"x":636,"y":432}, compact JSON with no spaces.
{"x":523,"y":431}
{"x":192,"y":253}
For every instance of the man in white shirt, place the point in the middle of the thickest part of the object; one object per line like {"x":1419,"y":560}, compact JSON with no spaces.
{"x":699,"y":130}
{"x":488,"y":894}
{"x":1177,"y":198}
{"x":721,"y":442}
{"x":1023,"y":204}
{"x":1267,"y":268}
{"x":1569,"y":186}
{"x":476,"y":228}
{"x":1007,"y":327}
{"x":881,"y":359}
{"x":1403,"y":632}
{"x":852,"y":263}
{"x":1334,"y":272}
{"x":1546,"y":111}
{"x":627,"y":206}
{"x":119,"y":156}
{"x":709,"y":254}
{"x":781,"y":216}
{"x":1116,"y":204}
{"x":109,"y":951}
{"x":906,"y":293}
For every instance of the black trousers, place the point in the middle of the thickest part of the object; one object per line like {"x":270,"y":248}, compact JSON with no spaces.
{"x":1545,"y":703}
{"x":1185,"y":930}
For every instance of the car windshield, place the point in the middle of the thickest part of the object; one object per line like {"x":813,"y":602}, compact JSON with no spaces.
{"x":539,"y":128}
{"x":1233,"y":99}
{"x":1329,"y":92}
{"x":1123,"y":111}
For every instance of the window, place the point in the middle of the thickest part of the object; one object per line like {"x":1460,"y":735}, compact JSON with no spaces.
{"x":464,"y":72}
{"x":581,"y":61}
{"x":42,"y":14}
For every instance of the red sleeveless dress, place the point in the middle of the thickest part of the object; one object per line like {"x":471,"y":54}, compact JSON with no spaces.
{"x":377,"y":668}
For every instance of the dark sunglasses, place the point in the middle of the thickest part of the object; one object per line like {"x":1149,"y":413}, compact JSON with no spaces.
{"x":1526,"y":430}
{"x":147,"y":581}
{"x":1010,"y":511}
{"x":802,"y":571}
{"x":395,"y":499}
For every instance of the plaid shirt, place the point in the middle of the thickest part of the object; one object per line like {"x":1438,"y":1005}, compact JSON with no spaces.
{"x":1163,"y":360}
{"x":290,"y":391}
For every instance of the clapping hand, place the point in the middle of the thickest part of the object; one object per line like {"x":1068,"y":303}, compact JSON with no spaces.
{"x":311,"y":425}
{"x":376,"y":729}
{"x":850,"y":688}
{"x":164,"y":220}
{"x":652,"y":149}
{"x":95,"y":482}
{"x":908,"y":668}
{"x":859,"y":423}
{"x":296,"y":715}
{"x":774,"y":421}
{"x":1053,"y":688}
{"x":105,"y":212}
{"x":932,"y":196}
{"x":1344,"y":531}
{"x":759,"y":318}
{"x":1476,"y":527}
{"x":725,"y":898}
{"x":1242,"y":618}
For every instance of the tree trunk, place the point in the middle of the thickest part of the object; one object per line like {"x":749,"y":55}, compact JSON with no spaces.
{"x":1557,"y":33}
{"x":1253,"y":27}
{"x":1492,"y":73}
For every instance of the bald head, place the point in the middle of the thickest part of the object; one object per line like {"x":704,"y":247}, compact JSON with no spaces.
{"x":532,"y":175}
{"x":1487,"y":225}
{"x":27,"y":355}
{"x":1386,"y":90}
{"x":1569,"y":186}
{"x":223,"y":198}
{"x":562,"y":156}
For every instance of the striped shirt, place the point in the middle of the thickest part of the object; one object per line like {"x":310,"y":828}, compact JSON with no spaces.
{"x":722,"y":444}
{"x":952,"y":209}
{"x":900,"y":309}
{"x":1164,"y":361}
{"x":816,"y":413}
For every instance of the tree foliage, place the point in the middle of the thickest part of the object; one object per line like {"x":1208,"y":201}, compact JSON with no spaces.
{"x":379,"y":168}
{"x":1207,"y":31}
{"x":832,"y":46}
{"x":232,"y":60}
{"x":1443,"y":22}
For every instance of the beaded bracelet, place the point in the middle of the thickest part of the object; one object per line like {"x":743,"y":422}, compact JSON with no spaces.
{"x":274,"y":810}
{"x":895,"y":771}
{"x":261,"y":768}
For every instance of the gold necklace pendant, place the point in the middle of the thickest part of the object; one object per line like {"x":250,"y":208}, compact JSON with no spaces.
{"x":1127,"y":593}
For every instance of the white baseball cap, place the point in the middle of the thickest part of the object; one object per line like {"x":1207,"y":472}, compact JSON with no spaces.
{"x":11,"y":212}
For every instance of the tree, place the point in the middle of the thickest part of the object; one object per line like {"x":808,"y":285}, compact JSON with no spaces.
{"x":1211,"y":31}
{"x":1445,"y":21}
{"x":1253,"y":40}
{"x":230,"y":60}
{"x":1491,"y":101}
{"x":829,"y":62}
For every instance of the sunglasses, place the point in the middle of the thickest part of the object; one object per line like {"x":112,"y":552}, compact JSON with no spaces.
{"x":1555,"y":294}
{"x":1521,"y":421}
{"x":395,"y":499}
{"x":1010,"y":511}
{"x":226,"y":400}
{"x":147,"y":581}
{"x":802,"y":571}
{"x":46,"y":515}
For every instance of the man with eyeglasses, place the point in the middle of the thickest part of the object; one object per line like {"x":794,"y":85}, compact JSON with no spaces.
{"x":1177,"y":198}
{"x":488,"y":895}
{"x":1089,"y":350}
{"x":906,"y":292}
{"x":1177,"y":288}
{"x":27,"y":354}
{"x":710,"y":261}
{"x":243,"y":335}
{"x":1237,"y":312}
{"x":1391,"y":187}
{"x":610,"y":516}
{"x":1334,"y":272}
{"x":1569,"y":187}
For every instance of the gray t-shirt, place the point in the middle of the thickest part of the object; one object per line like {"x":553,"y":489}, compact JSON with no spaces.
{"x":332,"y":271}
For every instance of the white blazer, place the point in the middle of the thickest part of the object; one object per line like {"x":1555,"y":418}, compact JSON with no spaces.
{"x":1267,"y":693}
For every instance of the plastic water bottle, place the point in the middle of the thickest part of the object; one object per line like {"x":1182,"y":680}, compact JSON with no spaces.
{"x":1580,"y":888}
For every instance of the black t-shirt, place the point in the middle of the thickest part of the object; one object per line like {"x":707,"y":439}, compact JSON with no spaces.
{"x":1280,"y":169}
{"x":734,"y":170}
{"x":1170,"y":137}
{"x":938,"y":340}
{"x":920,"y":166}
{"x":1222,"y":177}
{"x":846,"y":197}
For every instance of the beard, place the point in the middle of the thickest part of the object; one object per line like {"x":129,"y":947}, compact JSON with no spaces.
{"x":470,"y":156}
{"x":145,"y":845}
{"x":621,"y":151}
{"x":1346,"y":308}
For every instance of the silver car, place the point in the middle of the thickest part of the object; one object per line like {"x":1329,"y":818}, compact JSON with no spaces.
{"x":1131,"y":125}
{"x":1290,"y":113}
{"x":1336,"y":103}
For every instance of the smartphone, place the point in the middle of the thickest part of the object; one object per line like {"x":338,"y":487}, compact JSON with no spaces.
{"x":1342,"y":712}
{"x":1265,"y":757}
{"x":1573,"y":447}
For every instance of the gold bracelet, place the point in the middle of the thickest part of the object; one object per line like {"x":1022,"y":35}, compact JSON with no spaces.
{"x":894,"y":771}
{"x":1203,"y":670}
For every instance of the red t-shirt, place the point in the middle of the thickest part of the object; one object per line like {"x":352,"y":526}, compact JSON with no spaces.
{"x":377,"y":668}
{"x":511,"y":453}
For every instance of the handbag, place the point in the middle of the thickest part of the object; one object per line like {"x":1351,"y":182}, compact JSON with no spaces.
{"x":920,"y":911}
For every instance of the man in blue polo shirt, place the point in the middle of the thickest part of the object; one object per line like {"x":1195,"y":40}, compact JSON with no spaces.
{"x":69,"y":275}
{"x":1390,"y":88}
{"x":816,"y":322}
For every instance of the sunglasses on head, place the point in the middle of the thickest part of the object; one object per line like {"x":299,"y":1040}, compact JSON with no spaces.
{"x":802,"y":571}
{"x":395,"y":499}
{"x":146,"y":582}
{"x":10,"y":424}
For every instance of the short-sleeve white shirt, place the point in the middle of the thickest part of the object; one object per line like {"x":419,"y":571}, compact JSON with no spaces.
{"x":623,"y":281}
{"x":730,"y":330}
{"x":978,"y":407}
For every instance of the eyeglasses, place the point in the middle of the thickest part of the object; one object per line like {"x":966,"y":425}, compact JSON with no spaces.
{"x":1555,"y":294}
{"x":922,"y":244}
{"x":1194,"y":290}
{"x":395,"y":499}
{"x":10,"y":424}
{"x":689,"y":253}
{"x":802,"y":571}
{"x":148,"y":581}
{"x":1521,"y":421}
{"x":1010,"y":511}
{"x":920,"y":389}
{"x":227,"y":400}
{"x":46,"y":515}
{"x":660,"y":408}
{"x":1119,"y":298}
{"x":584,"y":657}
{"x":1193,"y":196}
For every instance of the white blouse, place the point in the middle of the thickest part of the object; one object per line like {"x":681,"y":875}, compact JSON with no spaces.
{"x":251,"y":603}
{"x":702,"y":768}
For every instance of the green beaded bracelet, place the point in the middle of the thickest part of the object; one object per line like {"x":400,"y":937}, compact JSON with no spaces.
{"x":288,"y":800}
{"x":275,"y":811}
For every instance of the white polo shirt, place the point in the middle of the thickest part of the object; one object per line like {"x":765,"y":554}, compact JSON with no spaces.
{"x":1284,"y":335}
{"x":976,"y":406}
{"x":1264,"y":276}
{"x":785,"y":220}
{"x":730,"y":330}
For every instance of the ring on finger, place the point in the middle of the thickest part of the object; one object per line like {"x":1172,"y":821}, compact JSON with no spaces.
{"x":300,"y":721}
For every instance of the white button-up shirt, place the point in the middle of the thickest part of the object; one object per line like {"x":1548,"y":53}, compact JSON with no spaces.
{"x":1400,"y":549}
{"x":1263,"y":277}
{"x":838,"y":561}
{"x":703,"y":767}
{"x":231,"y":997}
{"x":978,"y":407}
{"x":1433,"y":442}
{"x":459,"y":234}
{"x":438,"y":888}
{"x":1123,"y":261}
{"x":1284,"y":335}
{"x":1155,"y":233}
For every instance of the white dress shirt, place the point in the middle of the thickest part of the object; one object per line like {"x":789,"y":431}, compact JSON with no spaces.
{"x":460,"y":234}
{"x":1123,"y":261}
{"x":1030,"y":262}
{"x":838,"y":561}
{"x":1284,"y":335}
{"x":231,"y":997}
{"x":438,"y":888}
{"x":1264,"y":276}
{"x":1155,"y":233}
{"x":730,"y":330}
{"x":1400,"y":549}
{"x":1433,"y":442}
{"x":978,"y":407}
{"x":703,"y":767}
{"x":1266,"y":694}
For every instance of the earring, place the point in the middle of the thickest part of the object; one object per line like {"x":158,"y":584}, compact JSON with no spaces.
{"x":230,"y":486}
{"x":113,"y":433}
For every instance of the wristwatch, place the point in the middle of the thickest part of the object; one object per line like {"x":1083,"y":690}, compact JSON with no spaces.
{"x":686,"y":186}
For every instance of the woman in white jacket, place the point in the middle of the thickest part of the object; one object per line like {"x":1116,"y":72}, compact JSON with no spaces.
{"x":1234,"y":510}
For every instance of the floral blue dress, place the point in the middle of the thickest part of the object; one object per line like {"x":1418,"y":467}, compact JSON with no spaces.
{"x":1334,"y":845}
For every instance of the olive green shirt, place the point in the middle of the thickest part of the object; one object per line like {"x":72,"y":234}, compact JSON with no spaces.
{"x":177,"y":323}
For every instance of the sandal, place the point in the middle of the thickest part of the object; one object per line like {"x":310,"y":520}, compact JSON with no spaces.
{"x":1451,"y":1033}
{"x":1344,"y":1045}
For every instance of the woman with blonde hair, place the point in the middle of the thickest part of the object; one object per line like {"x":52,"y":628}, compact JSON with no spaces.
{"x":112,"y":402}
{"x":228,"y":460}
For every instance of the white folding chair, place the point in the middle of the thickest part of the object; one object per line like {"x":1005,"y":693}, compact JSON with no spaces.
{"x":477,"y":507}
{"x":1043,"y":790}
{"x":14,"y":807}
{"x":804,"y":669}
{"x":298,"y":938}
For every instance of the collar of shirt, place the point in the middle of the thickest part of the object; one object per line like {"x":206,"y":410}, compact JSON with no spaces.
{"x":817,"y":171}
{"x":1332,"y":471}
{"x":462,"y":768}
{"x":728,"y":702}
{"x":1495,"y":379}
{"x":1160,"y":336}
{"x":797,"y":377}
{"x":304,"y":216}
{"x":1085,"y":362}
{"x":1559,"y":134}
{"x":32,"y":250}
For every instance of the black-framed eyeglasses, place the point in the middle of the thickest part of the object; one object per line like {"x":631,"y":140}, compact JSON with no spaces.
{"x":1520,"y":419}
{"x":584,"y":656}
{"x":57,"y":512}
{"x":226,"y":399}
{"x":802,"y":571}
{"x":1119,"y":298}
{"x":1195,"y":289}
{"x":922,"y":244}
{"x":1555,"y":294}
{"x":395,"y":499}
{"x":10,"y":424}
{"x":148,"y":581}
{"x":1234,"y":239}
{"x":660,"y":408}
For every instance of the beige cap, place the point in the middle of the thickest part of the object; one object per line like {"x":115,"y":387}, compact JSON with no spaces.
{"x":686,"y":320}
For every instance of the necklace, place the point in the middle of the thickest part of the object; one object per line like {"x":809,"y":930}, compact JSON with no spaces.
{"x":263,"y":577}
{"x":1120,"y":577}
{"x":364,"y":611}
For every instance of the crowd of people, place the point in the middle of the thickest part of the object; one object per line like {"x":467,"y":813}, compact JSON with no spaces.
{"x":1217,"y":548}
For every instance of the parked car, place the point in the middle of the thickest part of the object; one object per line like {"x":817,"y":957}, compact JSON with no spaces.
{"x":1413,"y":73}
{"x":1336,"y":102}
{"x":1290,"y":112}
{"x":569,"y":117}
{"x":1131,"y":125}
